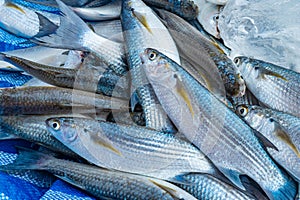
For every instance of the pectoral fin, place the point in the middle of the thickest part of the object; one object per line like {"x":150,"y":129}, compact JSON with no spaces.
{"x":282,"y":135}
{"x":14,"y":6}
{"x":233,"y":176}
{"x":270,"y":73}
{"x":104,"y":143}
{"x":183,"y":93}
{"x":143,"y":20}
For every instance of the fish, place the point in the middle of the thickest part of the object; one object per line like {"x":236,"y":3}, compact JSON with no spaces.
{"x":126,"y":148}
{"x":211,"y":126}
{"x":53,"y":100}
{"x":101,"y":183}
{"x":141,"y":28}
{"x":109,"y":11}
{"x":208,"y":17}
{"x":185,"y":9}
{"x":86,"y":76}
{"x":111,"y":29}
{"x":274,"y":86}
{"x":211,"y":60}
{"x":281,"y":129}
{"x":32,"y":128}
{"x":37,"y":6}
{"x":218,"y":2}
{"x":75,"y":34}
{"x":247,"y":99}
{"x":23,"y":22}
{"x":207,"y":187}
{"x":12,"y":79}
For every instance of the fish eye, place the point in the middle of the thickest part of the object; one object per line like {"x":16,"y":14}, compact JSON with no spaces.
{"x":256,"y":68}
{"x":237,"y":61}
{"x":55,"y":125}
{"x":152,"y":55}
{"x":271,"y":120}
{"x":242,"y":110}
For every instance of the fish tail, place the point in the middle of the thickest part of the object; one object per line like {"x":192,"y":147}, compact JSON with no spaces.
{"x":286,"y":192}
{"x":28,"y":159}
{"x":69,"y":34}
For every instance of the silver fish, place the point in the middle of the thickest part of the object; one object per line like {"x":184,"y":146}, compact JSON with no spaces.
{"x":41,"y":100}
{"x":218,"y":132}
{"x":282,"y":129}
{"x":87,"y":76}
{"x":111,"y":29}
{"x":73,"y":33}
{"x":274,"y":86}
{"x":126,"y":148}
{"x":210,"y":57}
{"x":142,"y":29}
{"x":107,"y":12}
{"x":23,"y":22}
{"x":206,"y":187}
{"x":99,"y":182}
{"x":31,"y":128}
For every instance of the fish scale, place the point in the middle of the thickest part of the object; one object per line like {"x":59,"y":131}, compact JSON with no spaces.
{"x":274,"y":86}
{"x":259,"y":118}
{"x":139,"y":35}
{"x":226,"y":140}
{"x":126,"y":148}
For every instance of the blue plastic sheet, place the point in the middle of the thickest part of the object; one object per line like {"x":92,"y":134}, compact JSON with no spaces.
{"x":23,"y":186}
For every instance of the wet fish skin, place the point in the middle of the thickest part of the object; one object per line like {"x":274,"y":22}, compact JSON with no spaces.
{"x":211,"y":53}
{"x":99,"y":182}
{"x":207,"y":187}
{"x":53,"y":100}
{"x":109,"y":11}
{"x":32,"y":128}
{"x":12,"y":79}
{"x":274,"y":86}
{"x":97,"y":79}
{"x":73,"y":33}
{"x":140,"y":27}
{"x":126,"y":148}
{"x":185,"y":9}
{"x":282,"y":129}
{"x":37,"y":5}
{"x":210,"y":125}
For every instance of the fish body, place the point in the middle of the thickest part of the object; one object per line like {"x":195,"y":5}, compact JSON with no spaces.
{"x":111,"y":29}
{"x":107,"y":12}
{"x":131,"y":149}
{"x":99,"y":182}
{"x":142,"y":29}
{"x":274,"y":86}
{"x":73,"y":33}
{"x":41,"y":100}
{"x":210,"y":58}
{"x":185,"y":9}
{"x":37,"y":5}
{"x":207,"y":187}
{"x":218,"y":132}
{"x":13,"y":79}
{"x":282,"y":129}
{"x":86,"y":77}
{"x":31,"y":128}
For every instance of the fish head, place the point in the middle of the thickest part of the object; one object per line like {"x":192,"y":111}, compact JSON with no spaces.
{"x":248,"y":67}
{"x":63,"y":129}
{"x":256,"y":116}
{"x":157,"y":68}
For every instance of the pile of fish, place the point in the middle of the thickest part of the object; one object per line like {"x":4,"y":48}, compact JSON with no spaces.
{"x":139,"y":99}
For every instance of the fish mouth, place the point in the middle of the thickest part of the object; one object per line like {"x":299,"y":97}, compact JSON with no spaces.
{"x":143,"y":57}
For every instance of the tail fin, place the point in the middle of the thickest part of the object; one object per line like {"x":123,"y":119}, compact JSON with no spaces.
{"x":68,"y":35}
{"x":286,"y":192}
{"x":28,"y":159}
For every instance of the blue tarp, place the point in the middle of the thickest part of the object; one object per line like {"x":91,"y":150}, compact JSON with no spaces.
{"x":22,"y":186}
